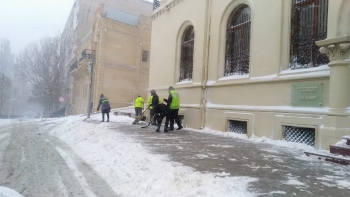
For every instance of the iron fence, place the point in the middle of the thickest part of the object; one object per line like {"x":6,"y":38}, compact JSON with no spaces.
{"x":87,"y":54}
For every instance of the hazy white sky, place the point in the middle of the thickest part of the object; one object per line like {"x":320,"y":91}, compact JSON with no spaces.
{"x":23,"y":21}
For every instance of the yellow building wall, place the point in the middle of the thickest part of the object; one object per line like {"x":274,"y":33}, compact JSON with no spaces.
{"x":118,"y":70}
{"x":263,"y":98}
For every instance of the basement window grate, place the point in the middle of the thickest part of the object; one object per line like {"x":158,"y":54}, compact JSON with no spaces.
{"x":237,"y":126}
{"x":300,"y":135}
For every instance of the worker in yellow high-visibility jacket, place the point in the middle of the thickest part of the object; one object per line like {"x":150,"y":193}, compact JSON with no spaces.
{"x":138,"y":106}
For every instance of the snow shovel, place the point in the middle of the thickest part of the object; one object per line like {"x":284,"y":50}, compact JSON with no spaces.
{"x":141,"y":117}
{"x":90,"y":114}
{"x":149,"y":122}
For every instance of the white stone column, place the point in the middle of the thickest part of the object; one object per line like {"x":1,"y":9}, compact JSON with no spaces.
{"x":338,"y":51}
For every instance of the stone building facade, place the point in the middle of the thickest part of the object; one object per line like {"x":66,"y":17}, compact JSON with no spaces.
{"x":254,"y":67}
{"x":118,"y":47}
{"x":78,"y":28}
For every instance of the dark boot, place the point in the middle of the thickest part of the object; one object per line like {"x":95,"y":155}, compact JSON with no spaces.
{"x":158,"y":128}
{"x":180,"y":127}
{"x":107,"y":118}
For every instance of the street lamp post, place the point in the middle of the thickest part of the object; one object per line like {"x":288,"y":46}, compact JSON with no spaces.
{"x":90,"y":69}
{"x":90,"y":55}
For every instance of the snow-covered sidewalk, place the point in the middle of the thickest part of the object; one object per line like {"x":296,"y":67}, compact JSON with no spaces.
{"x":132,"y":170}
{"x":141,"y":162}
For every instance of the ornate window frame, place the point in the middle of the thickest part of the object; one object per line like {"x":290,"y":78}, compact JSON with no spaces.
{"x":232,"y":7}
{"x":180,"y":34}
{"x":237,"y":53}
{"x":186,"y":57}
{"x":303,"y":51}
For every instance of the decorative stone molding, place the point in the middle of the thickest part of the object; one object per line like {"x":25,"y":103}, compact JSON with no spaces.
{"x":162,"y":9}
{"x":120,"y":66}
{"x":337,"y":49}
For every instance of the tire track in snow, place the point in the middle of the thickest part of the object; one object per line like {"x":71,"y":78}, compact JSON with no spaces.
{"x":76,"y":172}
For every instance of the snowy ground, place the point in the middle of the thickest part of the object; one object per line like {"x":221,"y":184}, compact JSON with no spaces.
{"x":118,"y":154}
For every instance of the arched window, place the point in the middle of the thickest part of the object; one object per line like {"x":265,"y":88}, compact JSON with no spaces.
{"x":238,"y":42}
{"x":187,"y":46}
{"x":309,"y":24}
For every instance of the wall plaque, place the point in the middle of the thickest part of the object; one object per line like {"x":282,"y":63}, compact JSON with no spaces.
{"x":307,"y":94}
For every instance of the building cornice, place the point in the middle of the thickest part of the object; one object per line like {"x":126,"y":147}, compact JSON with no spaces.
{"x":164,"y":8}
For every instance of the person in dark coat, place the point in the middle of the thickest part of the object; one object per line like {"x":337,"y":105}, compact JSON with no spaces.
{"x":161,"y":110}
{"x":105,"y":109}
{"x":154,"y":102}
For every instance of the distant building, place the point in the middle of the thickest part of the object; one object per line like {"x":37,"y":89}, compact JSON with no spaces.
{"x":119,"y":47}
{"x":254,"y":67}
{"x":78,"y":32}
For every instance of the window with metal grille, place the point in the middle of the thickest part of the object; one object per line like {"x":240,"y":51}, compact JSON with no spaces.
{"x":237,"y":126}
{"x":308,"y":25}
{"x":238,"y":42}
{"x":144,"y":56}
{"x":186,"y":63}
{"x":156,"y":4}
{"x":300,"y":135}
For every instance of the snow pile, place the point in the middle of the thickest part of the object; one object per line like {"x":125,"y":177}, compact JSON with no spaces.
{"x":342,"y":142}
{"x":280,"y":143}
{"x":133,"y":171}
{"x":7,"y":192}
{"x":6,"y":122}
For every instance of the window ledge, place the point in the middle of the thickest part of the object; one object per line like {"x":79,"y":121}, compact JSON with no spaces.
{"x":323,"y":72}
{"x":304,"y":70}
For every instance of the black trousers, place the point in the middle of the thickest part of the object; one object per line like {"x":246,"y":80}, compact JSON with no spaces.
{"x":174,"y":117}
{"x":106,"y":111}
{"x":151,"y":114}
{"x":160,"y":119}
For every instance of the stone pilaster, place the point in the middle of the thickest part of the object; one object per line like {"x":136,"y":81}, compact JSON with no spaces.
{"x":336,"y":123}
{"x":338,"y":51}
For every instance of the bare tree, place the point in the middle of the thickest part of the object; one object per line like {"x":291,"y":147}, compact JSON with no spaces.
{"x":5,"y":92}
{"x":40,"y":64}
{"x":5,"y":82}
{"x":5,"y":55}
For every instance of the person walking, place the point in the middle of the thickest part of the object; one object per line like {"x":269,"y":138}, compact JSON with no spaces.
{"x":138,"y":107}
{"x":153,"y":100}
{"x":173,"y":102}
{"x":161,"y":110}
{"x":105,"y":109}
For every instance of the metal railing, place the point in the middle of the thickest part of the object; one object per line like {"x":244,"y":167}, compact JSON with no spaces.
{"x":156,"y":4}
{"x":87,"y":54}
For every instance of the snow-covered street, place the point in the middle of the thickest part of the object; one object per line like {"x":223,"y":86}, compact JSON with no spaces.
{"x":72,"y":157}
